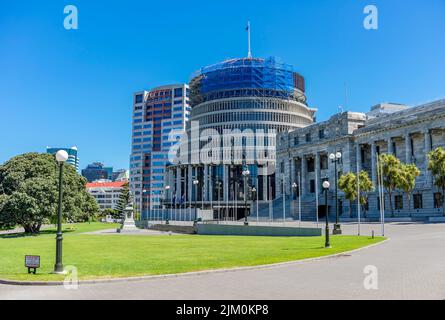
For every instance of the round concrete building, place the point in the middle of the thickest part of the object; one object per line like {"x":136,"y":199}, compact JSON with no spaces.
{"x":246,"y":102}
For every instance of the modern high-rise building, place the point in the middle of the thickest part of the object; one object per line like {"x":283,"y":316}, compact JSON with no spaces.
{"x":159,"y":118}
{"x":97,"y":171}
{"x":73,"y":159}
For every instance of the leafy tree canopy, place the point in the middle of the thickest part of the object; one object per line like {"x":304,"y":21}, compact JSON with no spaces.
{"x":29,"y":193}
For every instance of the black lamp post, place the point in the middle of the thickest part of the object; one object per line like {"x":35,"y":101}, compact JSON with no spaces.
{"x":195,"y":183}
{"x":245,"y":173}
{"x":335,"y":158}
{"x":254,"y":195}
{"x":61,"y":157}
{"x":326,"y":186}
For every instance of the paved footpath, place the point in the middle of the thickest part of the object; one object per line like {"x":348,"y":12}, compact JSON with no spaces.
{"x":410,"y":266}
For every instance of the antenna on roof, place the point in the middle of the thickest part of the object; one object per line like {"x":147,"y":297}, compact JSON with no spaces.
{"x":249,"y":54}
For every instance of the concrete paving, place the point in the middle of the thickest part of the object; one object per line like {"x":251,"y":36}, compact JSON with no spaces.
{"x":410,"y":266}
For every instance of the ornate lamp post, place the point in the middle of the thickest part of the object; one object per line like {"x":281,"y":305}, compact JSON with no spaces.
{"x":335,"y":158}
{"x":294,"y":189}
{"x":254,"y":198}
{"x":143,"y":193}
{"x":326,"y":186}
{"x":195,"y":183}
{"x":245,"y":173}
{"x":61,"y":157}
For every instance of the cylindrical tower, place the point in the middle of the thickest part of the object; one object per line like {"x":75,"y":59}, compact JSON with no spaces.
{"x":246,"y":102}
{"x":249,"y":93}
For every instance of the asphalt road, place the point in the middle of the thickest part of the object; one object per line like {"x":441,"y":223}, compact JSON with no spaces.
{"x":411,"y":265}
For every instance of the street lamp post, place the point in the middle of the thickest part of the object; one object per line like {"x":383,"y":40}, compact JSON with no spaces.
{"x":195,"y":183}
{"x":245,"y":173}
{"x":146,"y":205}
{"x":335,"y":158}
{"x":254,"y":198}
{"x":326,"y":186}
{"x":61,"y":157}
{"x":294,"y":189}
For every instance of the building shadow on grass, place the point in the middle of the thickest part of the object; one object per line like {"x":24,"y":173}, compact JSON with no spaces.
{"x":24,"y":234}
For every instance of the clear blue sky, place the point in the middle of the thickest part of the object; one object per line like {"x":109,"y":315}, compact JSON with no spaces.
{"x":64,"y":88}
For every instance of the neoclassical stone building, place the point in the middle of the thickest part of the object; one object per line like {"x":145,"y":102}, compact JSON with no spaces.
{"x":408,"y":133}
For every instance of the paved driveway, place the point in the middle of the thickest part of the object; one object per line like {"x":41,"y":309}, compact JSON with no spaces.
{"x":410,"y":266}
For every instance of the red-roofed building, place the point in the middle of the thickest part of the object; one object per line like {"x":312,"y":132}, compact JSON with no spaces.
{"x":106,"y":193}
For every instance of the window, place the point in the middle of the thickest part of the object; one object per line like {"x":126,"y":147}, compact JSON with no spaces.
{"x":308,"y":137}
{"x":362,"y":152}
{"x":323,"y":162}
{"x":312,"y":186}
{"x":310,"y":165}
{"x":296,"y":141}
{"x":178,"y":92}
{"x":418,"y":201}
{"x":138,"y":98}
{"x":438,"y":201}
{"x":321,"y":134}
{"x":398,"y":200}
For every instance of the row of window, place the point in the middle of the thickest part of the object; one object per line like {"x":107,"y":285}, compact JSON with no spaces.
{"x":253,"y":116}
{"x":249,"y":104}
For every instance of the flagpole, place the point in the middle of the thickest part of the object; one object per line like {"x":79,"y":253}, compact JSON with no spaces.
{"x":249,"y":54}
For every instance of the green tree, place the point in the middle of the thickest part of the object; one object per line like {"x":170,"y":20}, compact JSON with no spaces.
{"x":111,"y":212}
{"x":29,"y":193}
{"x":407,"y":181}
{"x":437,"y":167}
{"x":392,"y":173}
{"x":124,"y":199}
{"x":348,"y":184}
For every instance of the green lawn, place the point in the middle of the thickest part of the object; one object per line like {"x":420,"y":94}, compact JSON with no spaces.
{"x":105,"y":256}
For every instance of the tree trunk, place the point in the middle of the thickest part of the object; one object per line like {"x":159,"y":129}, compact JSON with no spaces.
{"x":32,"y":228}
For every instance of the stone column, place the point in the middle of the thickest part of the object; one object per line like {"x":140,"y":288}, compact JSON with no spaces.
{"x":265,"y":188}
{"x":210,"y":182}
{"x":358,"y":157}
{"x":287,"y":175}
{"x":178,"y":184}
{"x":278,"y":178}
{"x":374,"y":163}
{"x":225,"y":182}
{"x":206,"y":182}
{"x":293,"y":174}
{"x":408,"y":148}
{"x":390,"y":149}
{"x":189,"y":183}
{"x":427,"y":139}
{"x":303,"y":175}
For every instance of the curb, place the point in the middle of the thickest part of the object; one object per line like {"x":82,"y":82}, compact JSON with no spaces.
{"x":187,"y":274}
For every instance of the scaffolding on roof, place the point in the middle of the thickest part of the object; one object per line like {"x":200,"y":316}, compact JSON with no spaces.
{"x":263,"y":77}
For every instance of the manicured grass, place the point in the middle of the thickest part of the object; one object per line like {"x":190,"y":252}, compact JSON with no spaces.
{"x":105,"y":256}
